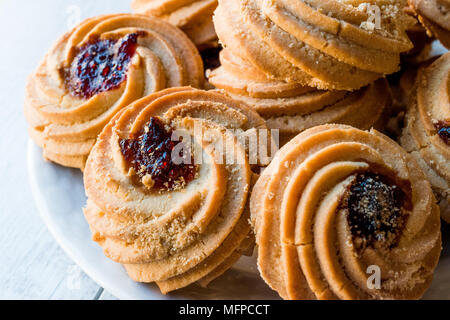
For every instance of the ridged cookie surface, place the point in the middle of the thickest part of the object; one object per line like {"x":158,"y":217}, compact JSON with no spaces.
{"x":342,"y":213}
{"x":427,"y":132}
{"x":325,"y":44}
{"x":94,"y":71}
{"x":194,"y":17}
{"x":291,"y":107}
{"x":169,"y":221}
{"x":434,"y":15}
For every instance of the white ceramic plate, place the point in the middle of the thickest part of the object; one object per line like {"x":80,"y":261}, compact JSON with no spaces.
{"x":59,"y":197}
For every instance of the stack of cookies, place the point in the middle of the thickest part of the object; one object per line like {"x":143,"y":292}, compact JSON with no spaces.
{"x":180,"y":180}
{"x":316,"y":61}
{"x":194,"y":17}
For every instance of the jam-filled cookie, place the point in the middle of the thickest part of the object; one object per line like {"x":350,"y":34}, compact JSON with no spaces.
{"x":342,"y":45}
{"x":291,"y":107}
{"x":434,"y":15}
{"x":173,"y":210}
{"x":427,"y":131}
{"x":342,"y":213}
{"x":419,"y":38}
{"x":95,"y":70}
{"x":194,"y":17}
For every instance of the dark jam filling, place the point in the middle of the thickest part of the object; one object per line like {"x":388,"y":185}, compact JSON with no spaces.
{"x":100,"y":65}
{"x":150,"y":154}
{"x":443,"y":131}
{"x":376,"y":210}
{"x":210,"y":58}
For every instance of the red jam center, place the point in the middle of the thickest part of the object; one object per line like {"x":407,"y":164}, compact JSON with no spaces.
{"x":376,"y":211}
{"x":443,"y":131}
{"x":100,"y":65}
{"x":150,"y":153}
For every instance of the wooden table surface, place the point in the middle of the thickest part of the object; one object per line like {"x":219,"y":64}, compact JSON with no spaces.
{"x":32,"y":265}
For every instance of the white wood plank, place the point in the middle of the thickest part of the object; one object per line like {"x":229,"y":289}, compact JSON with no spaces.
{"x":32,"y":266}
{"x":37,"y":268}
{"x":105,"y":295}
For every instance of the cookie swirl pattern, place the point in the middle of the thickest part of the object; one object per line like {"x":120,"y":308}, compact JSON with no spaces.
{"x":337,"y":203}
{"x":434,"y":15}
{"x":427,"y":131}
{"x":325,"y":44}
{"x":95,"y":70}
{"x":194,"y":17}
{"x":291,"y":107}
{"x":173,"y":224}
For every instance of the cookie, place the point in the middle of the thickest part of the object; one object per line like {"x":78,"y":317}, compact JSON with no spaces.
{"x":194,"y":17}
{"x":434,"y":15}
{"x":427,"y":130}
{"x":324,"y":44}
{"x":291,"y":107}
{"x":342,"y":213}
{"x":95,"y":70}
{"x":173,"y":213}
{"x":422,"y":45}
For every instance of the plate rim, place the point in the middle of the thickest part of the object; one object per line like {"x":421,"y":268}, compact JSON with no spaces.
{"x":78,"y":260}
{"x":141,"y":291}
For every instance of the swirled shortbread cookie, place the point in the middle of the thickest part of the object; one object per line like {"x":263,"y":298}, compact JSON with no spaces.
{"x":338,"y":204}
{"x":325,"y":44}
{"x":95,"y":70}
{"x":194,"y":17}
{"x":291,"y":107}
{"x":427,"y":132}
{"x":435,"y":17}
{"x":171,"y":211}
